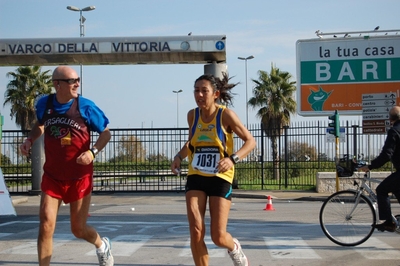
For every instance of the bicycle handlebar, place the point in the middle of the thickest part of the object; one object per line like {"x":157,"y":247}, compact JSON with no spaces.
{"x":346,"y":167}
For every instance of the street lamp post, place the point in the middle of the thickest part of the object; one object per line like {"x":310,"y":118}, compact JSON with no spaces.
{"x":177,"y":106}
{"x":82,"y":20}
{"x":247,"y":99}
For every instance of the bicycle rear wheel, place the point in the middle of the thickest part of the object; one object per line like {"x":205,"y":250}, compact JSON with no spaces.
{"x":341,"y":226}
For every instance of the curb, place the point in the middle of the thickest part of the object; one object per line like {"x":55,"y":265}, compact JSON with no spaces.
{"x":248,"y":196}
{"x":19,"y":200}
{"x":22,"y":199}
{"x":319,"y":198}
{"x":293,"y":198}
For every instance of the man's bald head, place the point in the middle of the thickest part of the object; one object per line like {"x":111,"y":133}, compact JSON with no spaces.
{"x":64,"y":72}
{"x":394,"y":113}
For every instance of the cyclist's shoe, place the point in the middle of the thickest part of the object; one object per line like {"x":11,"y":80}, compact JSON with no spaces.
{"x":386,"y":226}
{"x":237,"y":255}
{"x":106,"y":258}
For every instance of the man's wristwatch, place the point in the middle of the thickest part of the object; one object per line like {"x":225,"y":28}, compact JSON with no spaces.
{"x":94,"y":151}
{"x":235,"y":159}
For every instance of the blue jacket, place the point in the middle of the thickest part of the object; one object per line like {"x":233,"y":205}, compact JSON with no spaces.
{"x":93,"y":115}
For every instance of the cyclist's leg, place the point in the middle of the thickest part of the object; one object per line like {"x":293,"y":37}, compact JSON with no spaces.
{"x":396,"y":193}
{"x":389,"y":184}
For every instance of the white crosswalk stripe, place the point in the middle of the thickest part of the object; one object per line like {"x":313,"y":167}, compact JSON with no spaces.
{"x":30,"y":247}
{"x":125,"y":245}
{"x":374,"y":249}
{"x":213,"y":250}
{"x":4,"y":234}
{"x":289,"y":247}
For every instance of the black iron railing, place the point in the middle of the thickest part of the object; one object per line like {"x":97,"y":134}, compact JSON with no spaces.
{"x":139,"y":159}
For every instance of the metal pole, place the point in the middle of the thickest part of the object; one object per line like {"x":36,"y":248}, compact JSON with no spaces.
{"x":37,"y":162}
{"x":177,"y":110}
{"x":286,"y":155}
{"x":81,"y":31}
{"x":262,"y":155}
{"x":81,"y":35}
{"x":247,"y":98}
{"x":81,"y":24}
{"x":177,"y":106}
{"x":337,"y":161}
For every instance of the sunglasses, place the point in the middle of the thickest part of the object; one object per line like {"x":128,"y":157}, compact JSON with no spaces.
{"x":69,"y":81}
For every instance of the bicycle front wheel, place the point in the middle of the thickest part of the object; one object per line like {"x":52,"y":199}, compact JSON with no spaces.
{"x":345,"y":221}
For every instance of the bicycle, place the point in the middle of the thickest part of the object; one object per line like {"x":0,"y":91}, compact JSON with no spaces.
{"x":347,"y":217}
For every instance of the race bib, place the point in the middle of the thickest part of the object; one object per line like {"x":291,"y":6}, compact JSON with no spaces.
{"x":205,"y":159}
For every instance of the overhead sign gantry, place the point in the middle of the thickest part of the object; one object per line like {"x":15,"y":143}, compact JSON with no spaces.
{"x":114,"y":50}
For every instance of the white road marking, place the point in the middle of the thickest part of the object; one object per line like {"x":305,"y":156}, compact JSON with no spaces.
{"x":213,"y":250}
{"x":289,"y":248}
{"x":374,"y":249}
{"x":4,"y":234}
{"x":125,"y":245}
{"x":4,"y":224}
{"x":30,"y":247}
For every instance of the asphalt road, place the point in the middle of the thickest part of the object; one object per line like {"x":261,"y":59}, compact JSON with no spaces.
{"x":151,"y":229}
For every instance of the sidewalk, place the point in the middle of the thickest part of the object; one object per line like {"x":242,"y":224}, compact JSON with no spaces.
{"x":281,"y":195}
{"x":19,"y":199}
{"x":251,"y":194}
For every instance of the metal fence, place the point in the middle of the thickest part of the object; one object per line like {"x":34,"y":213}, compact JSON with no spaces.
{"x":139,"y":159}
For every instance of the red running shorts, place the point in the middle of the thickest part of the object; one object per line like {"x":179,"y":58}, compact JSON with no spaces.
{"x":67,"y":190}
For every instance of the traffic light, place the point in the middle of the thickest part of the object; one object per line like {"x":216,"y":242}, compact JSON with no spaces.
{"x":334,"y":125}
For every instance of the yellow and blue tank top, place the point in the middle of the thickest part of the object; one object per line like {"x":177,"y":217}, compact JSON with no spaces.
{"x":209,"y":144}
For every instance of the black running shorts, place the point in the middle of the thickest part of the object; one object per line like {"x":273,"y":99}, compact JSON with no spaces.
{"x":212,"y":186}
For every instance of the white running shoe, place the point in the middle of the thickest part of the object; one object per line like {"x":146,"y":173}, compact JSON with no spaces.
{"x":237,"y":255}
{"x":106,"y":258}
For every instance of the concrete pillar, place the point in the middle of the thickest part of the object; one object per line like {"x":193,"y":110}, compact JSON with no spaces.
{"x":38,"y":159}
{"x":216,"y":69}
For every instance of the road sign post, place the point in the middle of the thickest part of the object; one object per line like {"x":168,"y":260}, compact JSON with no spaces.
{"x":335,"y":130}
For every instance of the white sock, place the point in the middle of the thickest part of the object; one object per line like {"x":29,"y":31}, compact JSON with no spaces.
{"x":102,"y":248}
{"x":234,"y":247}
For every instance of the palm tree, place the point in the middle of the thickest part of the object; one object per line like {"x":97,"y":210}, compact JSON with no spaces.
{"x":28,"y":82}
{"x":274,"y":95}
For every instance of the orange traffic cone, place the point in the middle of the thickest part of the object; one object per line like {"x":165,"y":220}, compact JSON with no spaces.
{"x":269,"y":206}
